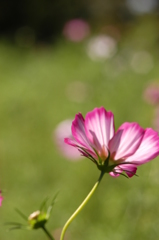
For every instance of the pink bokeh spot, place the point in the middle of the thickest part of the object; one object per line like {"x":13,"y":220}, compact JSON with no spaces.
{"x":151,"y":94}
{"x":64,"y":130}
{"x":1,"y":199}
{"x":76,"y":30}
{"x":113,"y":152}
{"x":156,"y":119}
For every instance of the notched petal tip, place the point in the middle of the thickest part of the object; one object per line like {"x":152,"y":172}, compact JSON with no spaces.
{"x":78,"y":131}
{"x":78,"y":119}
{"x":99,"y":127}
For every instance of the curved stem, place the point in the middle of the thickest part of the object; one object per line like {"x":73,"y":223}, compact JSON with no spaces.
{"x":81,"y":206}
{"x":47,"y":233}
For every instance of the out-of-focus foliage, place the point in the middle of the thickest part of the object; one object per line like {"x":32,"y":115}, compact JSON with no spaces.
{"x":45,"y":18}
{"x":42,"y":85}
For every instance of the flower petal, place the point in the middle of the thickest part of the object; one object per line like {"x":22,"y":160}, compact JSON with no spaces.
{"x":73,"y":143}
{"x":148,"y":149}
{"x":99,"y":126}
{"x":114,"y":174}
{"x":126,"y":140}
{"x":78,"y":131}
{"x":129,"y":169}
{"x":63,"y":130}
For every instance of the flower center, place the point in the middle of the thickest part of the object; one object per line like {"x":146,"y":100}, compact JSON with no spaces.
{"x":103,"y":153}
{"x":112,"y":161}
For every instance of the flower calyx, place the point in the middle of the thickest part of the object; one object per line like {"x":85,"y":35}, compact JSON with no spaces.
{"x":37,"y":219}
{"x":104,"y":166}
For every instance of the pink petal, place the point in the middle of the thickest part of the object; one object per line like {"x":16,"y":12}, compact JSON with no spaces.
{"x":73,"y":143}
{"x":113,"y":174}
{"x":126,"y":140}
{"x":129,"y":169}
{"x":87,"y":154}
{"x":78,"y":131}
{"x":148,"y":150}
{"x":116,"y":172}
{"x":63,"y":130}
{"x":99,"y":126}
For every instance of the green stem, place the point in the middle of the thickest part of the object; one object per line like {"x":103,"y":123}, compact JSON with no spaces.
{"x":47,"y":233}
{"x":81,"y":206}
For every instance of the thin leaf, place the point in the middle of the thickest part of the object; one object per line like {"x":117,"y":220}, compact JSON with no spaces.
{"x":14,"y":223}
{"x":43,"y":205}
{"x":53,"y":200}
{"x":14,"y":228}
{"x":21,"y":214}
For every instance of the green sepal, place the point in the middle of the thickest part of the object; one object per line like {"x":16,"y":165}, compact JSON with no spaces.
{"x":104,"y":167}
{"x":39,"y":221}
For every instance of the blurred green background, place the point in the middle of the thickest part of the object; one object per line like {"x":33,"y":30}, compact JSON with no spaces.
{"x":42,"y":84}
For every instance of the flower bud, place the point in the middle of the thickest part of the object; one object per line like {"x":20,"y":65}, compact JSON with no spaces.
{"x":37,"y":219}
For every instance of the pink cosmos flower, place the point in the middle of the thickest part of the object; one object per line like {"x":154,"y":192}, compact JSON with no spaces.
{"x":113,"y":152}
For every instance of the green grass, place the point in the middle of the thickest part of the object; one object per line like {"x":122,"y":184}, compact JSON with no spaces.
{"x":33,"y":100}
